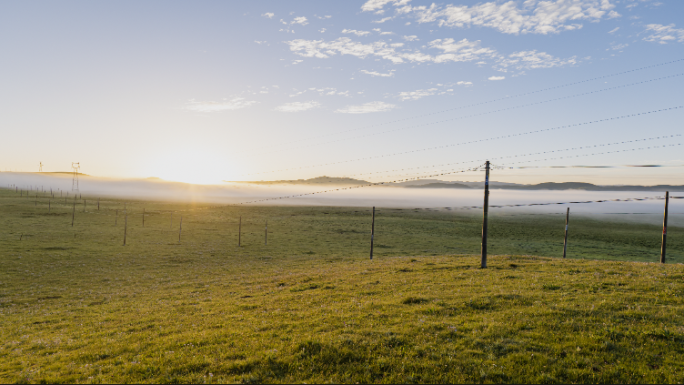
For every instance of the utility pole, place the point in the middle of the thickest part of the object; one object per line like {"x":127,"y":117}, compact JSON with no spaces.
{"x":483,"y":263}
{"x":565,"y":242}
{"x":663,"y":246}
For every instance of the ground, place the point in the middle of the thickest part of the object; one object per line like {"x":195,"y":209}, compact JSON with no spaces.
{"x":78,"y":306}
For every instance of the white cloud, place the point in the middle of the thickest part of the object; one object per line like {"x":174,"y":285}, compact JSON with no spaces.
{"x":355,"y":32}
{"x":367,"y":108}
{"x":459,"y":51}
{"x":463,"y":50}
{"x":325,"y":91}
{"x":322,"y":30}
{"x":268,"y":14}
{"x":374,"y":73}
{"x":298,"y":106}
{"x":462,"y":83}
{"x":534,"y":16}
{"x":297,"y":61}
{"x":617,"y":47}
{"x":374,"y":5}
{"x":384,"y":19}
{"x":497,"y":77}
{"x":323,"y":17}
{"x":260,"y":42}
{"x":378,"y":30}
{"x":411,"y":38}
{"x":226,"y":105}
{"x":533,"y":60}
{"x":664,"y":34}
{"x":417,"y":94}
{"x":614,"y":30}
{"x":300,"y":20}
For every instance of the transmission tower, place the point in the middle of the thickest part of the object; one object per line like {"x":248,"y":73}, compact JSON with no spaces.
{"x":75,"y":166}
{"x":40,"y":168}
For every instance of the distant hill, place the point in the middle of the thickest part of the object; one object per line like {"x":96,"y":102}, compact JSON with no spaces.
{"x":440,"y":185}
{"x":321,"y":180}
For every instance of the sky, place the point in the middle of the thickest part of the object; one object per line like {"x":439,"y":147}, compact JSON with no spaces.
{"x":211,"y":91}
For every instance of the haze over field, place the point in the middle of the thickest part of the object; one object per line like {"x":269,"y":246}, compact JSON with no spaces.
{"x":202,"y":92}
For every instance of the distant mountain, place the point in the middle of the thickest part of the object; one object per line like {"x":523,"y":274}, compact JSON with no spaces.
{"x":440,"y":185}
{"x":436,"y":183}
{"x":321,"y":180}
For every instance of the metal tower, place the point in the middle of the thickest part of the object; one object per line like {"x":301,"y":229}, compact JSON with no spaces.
{"x":75,"y":166}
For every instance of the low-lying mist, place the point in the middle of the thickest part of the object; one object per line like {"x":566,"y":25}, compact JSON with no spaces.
{"x":380,"y":196}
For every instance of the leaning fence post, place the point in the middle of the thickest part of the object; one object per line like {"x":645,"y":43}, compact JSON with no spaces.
{"x":663,"y":246}
{"x":372,"y":233}
{"x":98,"y":204}
{"x":565,"y":242}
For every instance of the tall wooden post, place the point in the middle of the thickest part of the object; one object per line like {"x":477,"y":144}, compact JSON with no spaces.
{"x":240,"y":232}
{"x":98,"y":204}
{"x":565,"y":242}
{"x":180,"y":229}
{"x":663,"y":246}
{"x":266,"y":234}
{"x":372,"y":233}
{"x":125,"y":225}
{"x":36,"y":202}
{"x":73,"y":214}
{"x":143,"y":217}
{"x":483,"y":263}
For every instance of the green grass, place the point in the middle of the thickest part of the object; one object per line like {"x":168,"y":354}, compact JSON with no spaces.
{"x":77,"y":306}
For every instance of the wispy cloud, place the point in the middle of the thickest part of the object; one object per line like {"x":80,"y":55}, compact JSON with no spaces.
{"x":534,"y":16}
{"x":527,"y":60}
{"x":378,"y":30}
{"x":374,"y":73}
{"x":298,"y":106}
{"x":463,"y":50}
{"x":355,"y":32}
{"x":411,"y":38}
{"x":497,"y":77}
{"x":268,"y":14}
{"x":664,"y":34}
{"x":324,"y":91}
{"x":614,"y":30}
{"x":367,"y":108}
{"x":384,"y":19}
{"x":375,"y":5}
{"x":225,"y":105}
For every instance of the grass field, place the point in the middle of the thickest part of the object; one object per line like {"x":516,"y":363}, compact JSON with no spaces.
{"x":78,"y":306}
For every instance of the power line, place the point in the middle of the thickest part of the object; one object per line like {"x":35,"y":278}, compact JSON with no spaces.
{"x":466,"y":143}
{"x":481,"y":113}
{"x":442,"y":173}
{"x":493,"y":100}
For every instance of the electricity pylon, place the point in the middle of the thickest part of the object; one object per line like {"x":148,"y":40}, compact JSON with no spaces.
{"x":75,"y":166}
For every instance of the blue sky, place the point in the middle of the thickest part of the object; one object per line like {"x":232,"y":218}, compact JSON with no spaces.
{"x":206,"y":91}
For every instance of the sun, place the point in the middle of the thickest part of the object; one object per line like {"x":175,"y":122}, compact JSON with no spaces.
{"x":194,"y":167}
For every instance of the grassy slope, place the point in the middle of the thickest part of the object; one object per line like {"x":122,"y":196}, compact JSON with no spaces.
{"x":76,"y":306}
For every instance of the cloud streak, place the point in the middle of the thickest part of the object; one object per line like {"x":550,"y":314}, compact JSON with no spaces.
{"x":367,"y":108}
{"x":298,"y":106}
{"x":226,"y":105}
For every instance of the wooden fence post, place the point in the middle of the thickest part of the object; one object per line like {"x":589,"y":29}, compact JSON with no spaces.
{"x":565,"y":242}
{"x":125,"y":225}
{"x":240,"y":232}
{"x":73,"y":214}
{"x":180,"y":229}
{"x":372,"y":233}
{"x":483,"y":263}
{"x":663,"y":245}
{"x":266,"y":235}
